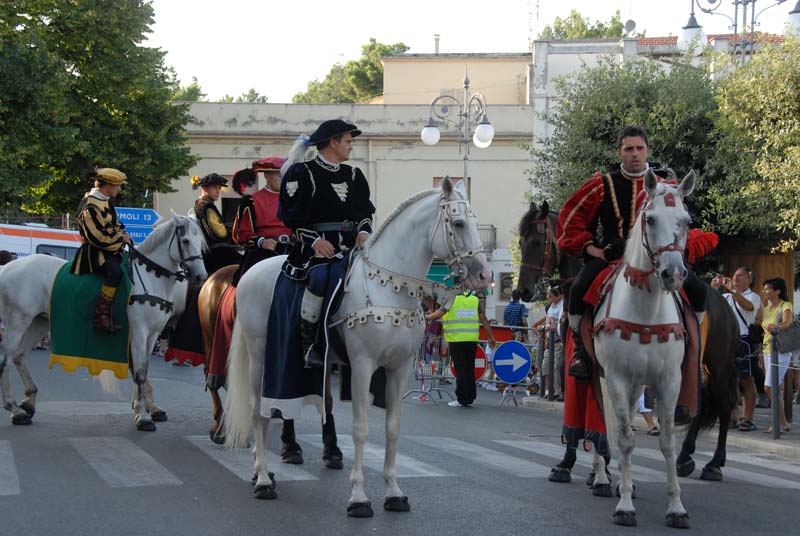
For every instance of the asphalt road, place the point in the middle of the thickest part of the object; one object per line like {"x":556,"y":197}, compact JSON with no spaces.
{"x":82,"y":469}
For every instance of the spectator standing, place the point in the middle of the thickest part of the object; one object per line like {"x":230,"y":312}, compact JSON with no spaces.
{"x":745,"y":304}
{"x":461,"y":321}
{"x":516,"y":315}
{"x":554,"y":316}
{"x":776,"y":315}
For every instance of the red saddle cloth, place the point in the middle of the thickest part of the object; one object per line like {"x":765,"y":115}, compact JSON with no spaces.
{"x":223,"y":329}
{"x":690,"y":367}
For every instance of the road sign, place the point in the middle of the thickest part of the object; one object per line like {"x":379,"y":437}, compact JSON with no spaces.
{"x":512,"y":362}
{"x":480,"y":364}
{"x":145,"y":217}
{"x":138,"y":233}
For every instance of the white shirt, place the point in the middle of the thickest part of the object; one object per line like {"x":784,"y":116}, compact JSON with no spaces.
{"x":554,"y":313}
{"x":749,"y":316}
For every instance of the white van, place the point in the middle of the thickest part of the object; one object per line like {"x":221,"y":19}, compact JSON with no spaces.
{"x":24,"y":240}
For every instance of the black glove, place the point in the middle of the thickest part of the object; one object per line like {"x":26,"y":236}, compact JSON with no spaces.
{"x":614,"y":249}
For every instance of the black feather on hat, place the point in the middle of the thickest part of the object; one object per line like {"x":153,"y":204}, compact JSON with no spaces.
{"x":244,"y":179}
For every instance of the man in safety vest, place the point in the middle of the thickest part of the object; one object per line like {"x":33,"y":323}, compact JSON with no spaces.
{"x":461,"y":323}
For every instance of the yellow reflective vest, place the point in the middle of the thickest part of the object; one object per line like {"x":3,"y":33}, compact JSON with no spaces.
{"x":461,"y":323}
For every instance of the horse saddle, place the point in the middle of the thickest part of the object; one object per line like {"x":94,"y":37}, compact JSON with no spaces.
{"x":600,"y":294}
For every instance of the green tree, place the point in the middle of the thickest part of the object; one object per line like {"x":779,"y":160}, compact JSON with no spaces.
{"x":759,"y":147}
{"x":191,"y":93}
{"x":356,"y":80}
{"x":89,"y":93}
{"x":576,"y":26}
{"x":674,"y":105}
{"x":251,"y":96}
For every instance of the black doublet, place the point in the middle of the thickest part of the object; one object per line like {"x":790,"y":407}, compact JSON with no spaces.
{"x":313,"y":193}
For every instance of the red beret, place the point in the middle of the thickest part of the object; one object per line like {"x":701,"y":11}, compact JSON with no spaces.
{"x":271,"y":163}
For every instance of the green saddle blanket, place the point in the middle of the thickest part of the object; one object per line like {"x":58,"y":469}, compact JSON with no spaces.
{"x":73,"y":341}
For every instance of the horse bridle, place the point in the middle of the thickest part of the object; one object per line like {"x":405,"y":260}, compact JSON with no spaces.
{"x":669,"y":200}
{"x":448,"y":208}
{"x":180,"y":232}
{"x":545,"y":271}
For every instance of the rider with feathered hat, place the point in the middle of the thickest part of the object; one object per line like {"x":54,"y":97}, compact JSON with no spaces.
{"x":326,"y":203}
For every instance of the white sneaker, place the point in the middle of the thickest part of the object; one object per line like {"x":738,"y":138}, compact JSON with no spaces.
{"x":455,"y":404}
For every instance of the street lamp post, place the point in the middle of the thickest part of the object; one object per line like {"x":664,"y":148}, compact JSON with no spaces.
{"x":462,"y":114}
{"x":745,"y":19}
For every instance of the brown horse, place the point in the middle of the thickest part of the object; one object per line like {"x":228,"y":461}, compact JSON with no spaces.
{"x":541,"y":258}
{"x":208,"y":306}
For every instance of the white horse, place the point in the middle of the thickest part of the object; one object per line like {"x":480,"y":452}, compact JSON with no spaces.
{"x":175,"y":244}
{"x":381,"y":325}
{"x":653,"y":260}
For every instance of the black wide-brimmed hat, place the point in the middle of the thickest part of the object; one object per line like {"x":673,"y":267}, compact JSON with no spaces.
{"x":209,"y":180}
{"x":332,"y":128}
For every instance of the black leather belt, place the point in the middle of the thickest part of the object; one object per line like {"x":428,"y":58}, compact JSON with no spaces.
{"x":345,"y":226}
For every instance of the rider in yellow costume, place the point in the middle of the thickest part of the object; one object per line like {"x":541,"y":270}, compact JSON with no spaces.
{"x":103,"y":240}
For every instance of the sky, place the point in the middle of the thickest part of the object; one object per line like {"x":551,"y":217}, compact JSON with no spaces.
{"x":278,"y":46}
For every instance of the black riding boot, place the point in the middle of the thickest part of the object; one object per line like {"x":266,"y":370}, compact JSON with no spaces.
{"x":308,"y":335}
{"x":331,"y":454}
{"x":579,"y":366}
{"x":290,"y":451}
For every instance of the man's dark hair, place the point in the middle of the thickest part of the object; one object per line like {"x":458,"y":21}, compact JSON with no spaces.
{"x":779,"y":284}
{"x":324,"y":143}
{"x":632,"y":131}
{"x":6,"y":257}
{"x":514,"y":295}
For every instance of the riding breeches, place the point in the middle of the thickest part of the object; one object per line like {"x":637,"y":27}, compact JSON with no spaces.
{"x":587,"y":274}
{"x":112,"y":270}
{"x":317,"y":285}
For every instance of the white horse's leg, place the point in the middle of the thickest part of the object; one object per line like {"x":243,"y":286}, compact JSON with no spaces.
{"x":140,"y":359}
{"x":394,"y":500}
{"x":156,"y":413}
{"x":263,"y":479}
{"x":13,"y":344}
{"x":667,"y":396}
{"x":624,"y":513}
{"x":358,"y":505}
{"x":601,"y":487}
{"x":38,"y":329}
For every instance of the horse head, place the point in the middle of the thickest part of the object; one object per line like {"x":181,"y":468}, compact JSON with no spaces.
{"x":664,"y":224}
{"x":459,"y":244}
{"x":539,"y":252}
{"x":186,"y":247}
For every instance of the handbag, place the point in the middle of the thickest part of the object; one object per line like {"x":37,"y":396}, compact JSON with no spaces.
{"x":755,"y":333}
{"x":788,"y":339}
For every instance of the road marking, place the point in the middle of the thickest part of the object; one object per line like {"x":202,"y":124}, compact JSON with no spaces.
{"x":9,"y":479}
{"x":240,"y":461}
{"x":407,"y":467}
{"x":642,"y":474}
{"x":485,"y":456}
{"x":731,"y":472}
{"x":767,"y":462}
{"x":83,"y":409}
{"x":122,"y":463}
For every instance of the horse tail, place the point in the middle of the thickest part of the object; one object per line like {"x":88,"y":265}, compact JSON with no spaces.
{"x":609,"y":416}
{"x":109,"y":383}
{"x":236,"y":415}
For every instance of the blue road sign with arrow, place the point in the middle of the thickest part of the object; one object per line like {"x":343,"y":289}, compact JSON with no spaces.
{"x":512,"y":362}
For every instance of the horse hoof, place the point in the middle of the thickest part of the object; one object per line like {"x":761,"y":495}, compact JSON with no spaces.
{"x":216,"y":437}
{"x":265,"y":492}
{"x":626,"y":519}
{"x":22,"y":418}
{"x":601,"y":490}
{"x":294,"y":458}
{"x":678,"y":521}
{"x":590,"y":479}
{"x":686,"y":468}
{"x":333,"y":458}
{"x":270,"y":474}
{"x":28,"y":408}
{"x":159,"y":416}
{"x":362,"y":509}
{"x":146,"y":426}
{"x":560,"y":474}
{"x":618,"y":494}
{"x":396,"y":504}
{"x":714,"y":474}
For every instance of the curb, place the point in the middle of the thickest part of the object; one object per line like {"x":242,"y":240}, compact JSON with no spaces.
{"x":781,"y":447}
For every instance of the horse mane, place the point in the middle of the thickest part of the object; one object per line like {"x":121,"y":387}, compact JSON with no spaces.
{"x":162,"y":232}
{"x":400,"y":208}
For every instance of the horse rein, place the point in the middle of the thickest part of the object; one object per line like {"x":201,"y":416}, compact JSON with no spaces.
{"x":550,"y":246}
{"x":446,"y":209}
{"x":669,"y":200}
